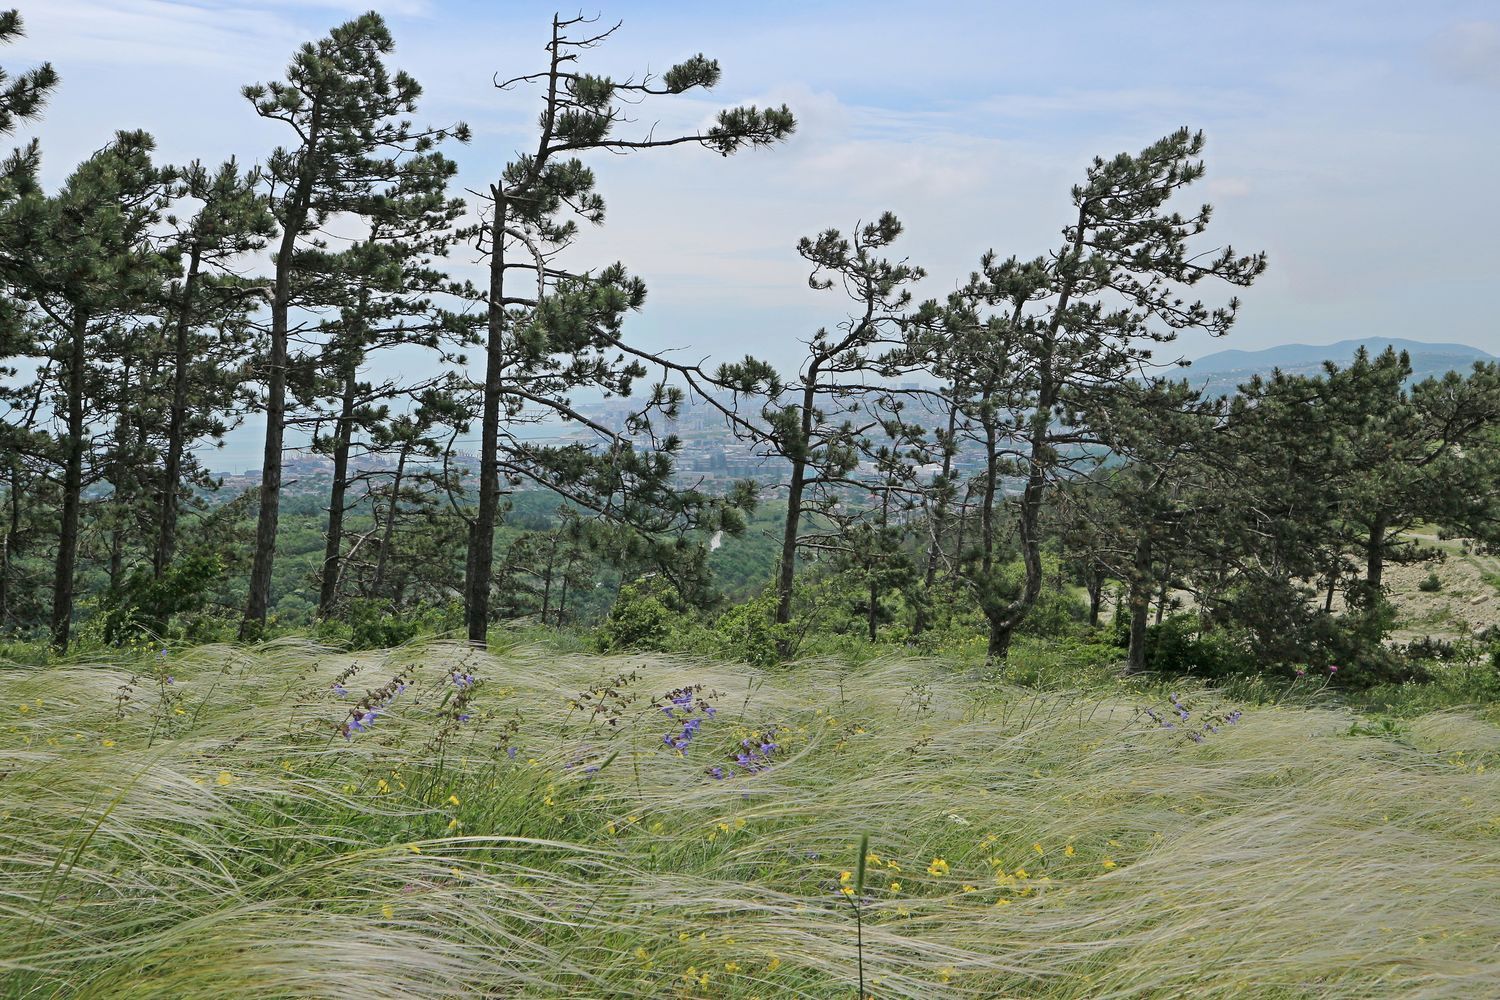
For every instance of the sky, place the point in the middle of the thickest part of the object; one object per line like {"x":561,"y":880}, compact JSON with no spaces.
{"x":1356,"y":143}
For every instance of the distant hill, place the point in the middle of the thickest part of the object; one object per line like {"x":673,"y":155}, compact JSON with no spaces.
{"x":1222,"y":371}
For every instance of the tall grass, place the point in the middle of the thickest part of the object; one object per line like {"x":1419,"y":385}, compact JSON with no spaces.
{"x":216,"y":836}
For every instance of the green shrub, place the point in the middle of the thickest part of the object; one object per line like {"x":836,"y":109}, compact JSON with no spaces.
{"x":371,"y":624}
{"x":1431,"y":584}
{"x":748,"y":632}
{"x":640,"y":619}
{"x":1179,"y":646}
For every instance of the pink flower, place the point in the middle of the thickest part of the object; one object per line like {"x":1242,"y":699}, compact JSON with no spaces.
{"x":1333,"y":668}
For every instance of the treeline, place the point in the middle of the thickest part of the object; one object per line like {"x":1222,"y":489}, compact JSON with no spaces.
{"x":150,"y":307}
{"x":953,"y":463}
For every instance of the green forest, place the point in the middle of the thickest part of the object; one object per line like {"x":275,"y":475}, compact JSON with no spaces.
{"x":1015,"y":664}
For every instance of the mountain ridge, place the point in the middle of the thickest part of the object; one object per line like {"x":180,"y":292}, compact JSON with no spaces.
{"x":1291,"y":357}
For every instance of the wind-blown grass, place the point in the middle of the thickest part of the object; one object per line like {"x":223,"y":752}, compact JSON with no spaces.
{"x":216,"y":836}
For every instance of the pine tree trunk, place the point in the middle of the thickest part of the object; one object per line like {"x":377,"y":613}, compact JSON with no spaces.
{"x":939,"y":518}
{"x":67,"y":538}
{"x":258,"y":605}
{"x":268,"y":517}
{"x":547,"y":584}
{"x":166,"y":537}
{"x":1000,"y":636}
{"x":481,"y":556}
{"x":328,"y":590}
{"x":786,"y":571}
{"x":11,"y":541}
{"x":1096,"y":593}
{"x":390,"y":521}
{"x":1375,"y":553}
{"x":1140,"y":604}
{"x":122,"y":496}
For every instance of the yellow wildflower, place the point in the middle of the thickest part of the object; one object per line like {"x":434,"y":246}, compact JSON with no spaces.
{"x":453,"y":800}
{"x":224,"y":778}
{"x":872,"y":859}
{"x":1107,"y":863}
{"x":848,"y":890}
{"x":945,"y":974}
{"x":731,"y":967}
{"x":893,"y":866}
{"x":895,"y":886}
{"x":969,"y":888}
{"x":938,"y":868}
{"x":1069,"y":850}
{"x":773,"y":964}
{"x":845,"y":878}
{"x":388,"y":911}
{"x":382,"y":786}
{"x":1021,"y":873}
{"x":106,"y":743}
{"x":414,"y":848}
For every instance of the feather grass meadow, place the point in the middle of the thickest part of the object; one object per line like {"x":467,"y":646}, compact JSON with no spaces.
{"x":432,"y":821}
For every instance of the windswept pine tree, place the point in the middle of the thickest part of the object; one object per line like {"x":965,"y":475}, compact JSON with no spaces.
{"x":554,"y":330}
{"x":1061,"y":336}
{"x":819,"y":423}
{"x":345,"y":110}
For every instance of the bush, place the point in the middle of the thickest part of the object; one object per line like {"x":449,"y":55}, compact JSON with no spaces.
{"x":748,"y":632}
{"x":371,"y":624}
{"x":1178,"y":646}
{"x":1055,"y":613}
{"x":640,"y":619}
{"x":1431,"y":584}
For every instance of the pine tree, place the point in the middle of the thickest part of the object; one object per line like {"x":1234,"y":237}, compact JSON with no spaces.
{"x":345,"y":109}
{"x":556,"y":333}
{"x":1067,"y":339}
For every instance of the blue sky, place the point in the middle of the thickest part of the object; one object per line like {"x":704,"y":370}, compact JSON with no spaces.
{"x":1355,"y":142}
